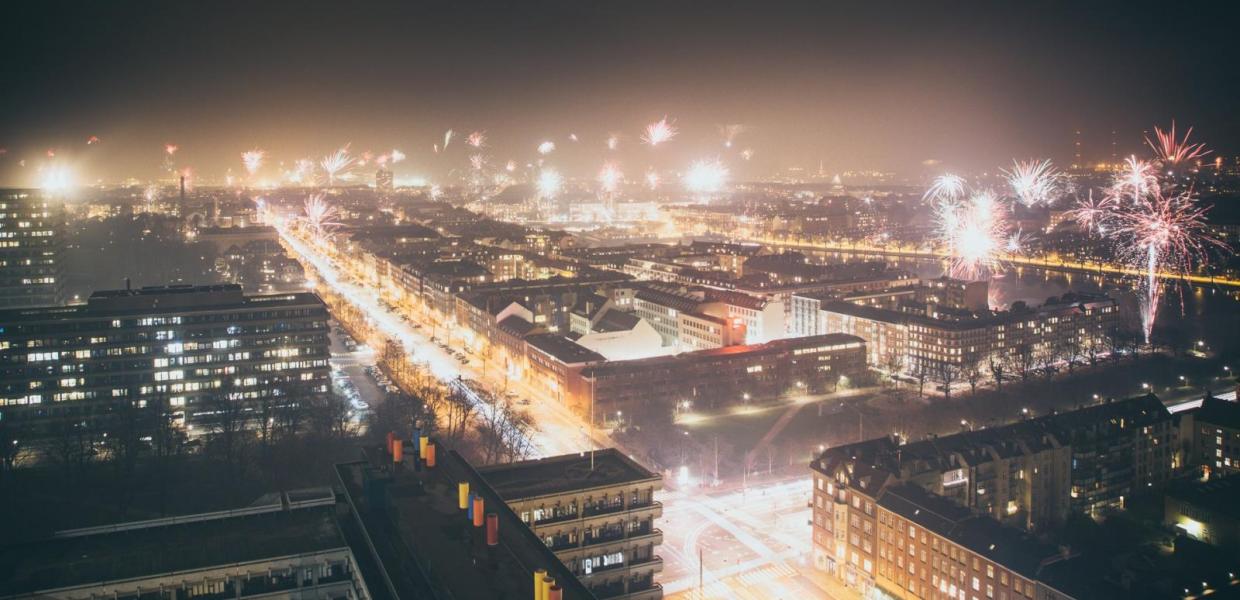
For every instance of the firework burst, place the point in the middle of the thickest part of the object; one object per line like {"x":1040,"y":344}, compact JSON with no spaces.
{"x":549,"y":184}
{"x":974,"y":233}
{"x":447,"y":138}
{"x":945,"y":187}
{"x":253,"y":160}
{"x":396,"y":156}
{"x":706,"y":177}
{"x":1135,"y":180}
{"x":1033,"y":181}
{"x":659,"y":132}
{"x":1091,"y":214}
{"x":170,"y":149}
{"x":613,"y":141}
{"x":546,"y":147}
{"x":1172,"y":150}
{"x":609,"y":178}
{"x":337,"y":164}
{"x":652,"y":179}
{"x":477,"y":139}
{"x":320,"y":217}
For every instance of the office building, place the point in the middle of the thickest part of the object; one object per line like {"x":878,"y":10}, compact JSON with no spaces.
{"x":1208,"y":511}
{"x":596,"y":512}
{"x":194,"y":346}
{"x":32,"y":229}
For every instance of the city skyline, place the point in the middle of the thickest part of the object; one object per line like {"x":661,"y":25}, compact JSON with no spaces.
{"x":915,"y":93}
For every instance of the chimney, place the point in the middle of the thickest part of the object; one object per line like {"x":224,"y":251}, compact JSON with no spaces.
{"x":181,"y":206}
{"x":128,"y":286}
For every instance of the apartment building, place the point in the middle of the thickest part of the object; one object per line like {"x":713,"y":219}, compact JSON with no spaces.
{"x":596,"y":511}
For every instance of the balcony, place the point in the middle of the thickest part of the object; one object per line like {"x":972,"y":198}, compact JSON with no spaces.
{"x":555,"y":519}
{"x":594,"y":510}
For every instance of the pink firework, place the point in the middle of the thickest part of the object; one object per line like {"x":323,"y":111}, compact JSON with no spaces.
{"x":1171,"y":150}
{"x":170,"y":149}
{"x":659,"y":132}
{"x":477,"y":139}
{"x":1091,"y":214}
{"x":1163,"y":235}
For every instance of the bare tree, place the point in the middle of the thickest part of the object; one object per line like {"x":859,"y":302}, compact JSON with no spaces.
{"x":226,"y":425}
{"x":946,"y":374}
{"x":1024,"y":360}
{"x":329,"y":416}
{"x":169,"y":445}
{"x":998,"y":370}
{"x":1070,"y":351}
{"x":973,"y":372}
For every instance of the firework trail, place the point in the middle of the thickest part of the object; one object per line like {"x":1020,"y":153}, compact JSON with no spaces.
{"x":609,"y":178}
{"x":659,"y":132}
{"x":447,"y":138}
{"x":546,"y":148}
{"x":572,"y":136}
{"x":1163,"y":234}
{"x":613,"y":141}
{"x":549,"y":183}
{"x":652,"y":179}
{"x":92,"y":140}
{"x":1171,"y":150}
{"x":1033,"y":181}
{"x":729,"y":133}
{"x":974,"y":233}
{"x":477,"y":139}
{"x":706,"y":177}
{"x":253,"y":160}
{"x":336,"y":164}
{"x":945,"y":187}
{"x":510,"y":166}
{"x":320,"y":217}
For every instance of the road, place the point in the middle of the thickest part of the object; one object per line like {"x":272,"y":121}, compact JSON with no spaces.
{"x":558,"y":431}
{"x":755,"y":541}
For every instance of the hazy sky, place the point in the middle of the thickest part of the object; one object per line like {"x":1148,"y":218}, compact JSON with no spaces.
{"x":885,"y":86}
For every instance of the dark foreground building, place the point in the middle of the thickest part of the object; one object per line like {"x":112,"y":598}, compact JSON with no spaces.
{"x":596,"y":512}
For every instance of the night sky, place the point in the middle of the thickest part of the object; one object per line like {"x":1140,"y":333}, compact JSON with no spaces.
{"x":886,"y":86}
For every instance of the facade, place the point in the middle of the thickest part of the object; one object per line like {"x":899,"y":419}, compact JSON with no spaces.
{"x":1211,"y":435}
{"x":186,"y":344}
{"x":1034,"y":473}
{"x":32,"y":229}
{"x":719,"y":377}
{"x":890,"y":540}
{"x":926,"y":337}
{"x":597,"y":513}
{"x":275,"y":550}
{"x":1207,"y":511}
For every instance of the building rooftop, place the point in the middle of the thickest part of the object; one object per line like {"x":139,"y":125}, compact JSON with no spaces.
{"x":982,"y":535}
{"x":616,"y":320}
{"x":1219,"y":412}
{"x":163,"y":546}
{"x":565,"y":473}
{"x":563,"y":349}
{"x":839,"y":340}
{"x":154,"y":299}
{"x":427,"y":546}
{"x":1220,"y":496}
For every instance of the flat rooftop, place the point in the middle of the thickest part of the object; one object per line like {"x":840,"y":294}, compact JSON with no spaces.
{"x":564,"y":473}
{"x":148,"y":551}
{"x":426,"y":545}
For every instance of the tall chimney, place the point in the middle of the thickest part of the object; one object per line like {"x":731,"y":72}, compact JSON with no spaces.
{"x":181,"y":206}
